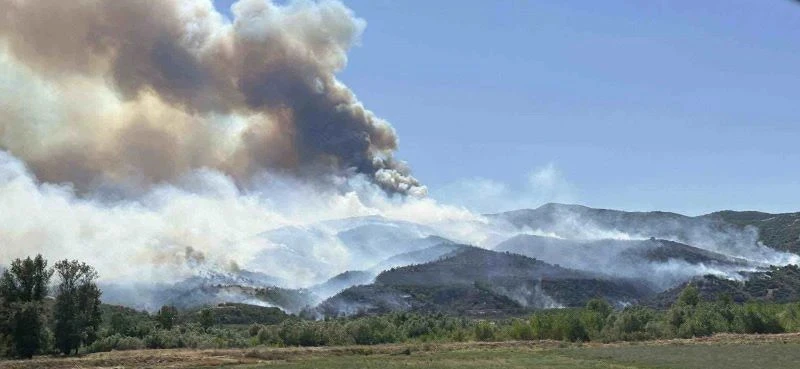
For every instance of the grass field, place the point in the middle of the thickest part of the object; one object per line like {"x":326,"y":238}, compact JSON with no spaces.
{"x":723,"y":351}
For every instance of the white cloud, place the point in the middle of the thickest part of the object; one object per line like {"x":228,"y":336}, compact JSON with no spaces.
{"x":544,"y":184}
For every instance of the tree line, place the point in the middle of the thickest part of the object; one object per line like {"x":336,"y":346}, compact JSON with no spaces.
{"x":37,"y":319}
{"x":66,"y":317}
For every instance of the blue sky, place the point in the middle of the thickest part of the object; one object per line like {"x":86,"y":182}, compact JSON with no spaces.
{"x":679,"y":105}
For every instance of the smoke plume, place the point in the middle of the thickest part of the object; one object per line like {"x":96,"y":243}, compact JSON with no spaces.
{"x":127,"y":94}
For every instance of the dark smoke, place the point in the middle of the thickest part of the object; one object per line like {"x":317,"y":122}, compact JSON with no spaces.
{"x":142,"y":92}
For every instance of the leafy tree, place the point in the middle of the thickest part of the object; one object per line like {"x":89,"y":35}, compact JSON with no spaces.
{"x":600,"y":306}
{"x":25,"y":281}
{"x":689,"y":296}
{"x":77,"y":311}
{"x":26,"y":325}
{"x":166,"y":317}
{"x":207,"y":318}
{"x":22,"y":289}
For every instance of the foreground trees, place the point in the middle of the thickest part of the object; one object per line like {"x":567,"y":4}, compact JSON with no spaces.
{"x":23,"y":288}
{"x":29,"y":321}
{"x":77,"y":311}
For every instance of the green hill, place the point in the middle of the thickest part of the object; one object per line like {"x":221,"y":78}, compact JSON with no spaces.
{"x":476,"y":281}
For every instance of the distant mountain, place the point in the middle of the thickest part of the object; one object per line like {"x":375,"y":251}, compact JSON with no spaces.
{"x":317,"y":252}
{"x":476,"y":281}
{"x":210,"y":287}
{"x":375,"y":242}
{"x":581,"y":222}
{"x":660,"y":263}
{"x":730,"y":233}
{"x":443,"y":248}
{"x":662,"y":251}
{"x":779,"y":231}
{"x":552,"y":256}
{"x":342,"y":281}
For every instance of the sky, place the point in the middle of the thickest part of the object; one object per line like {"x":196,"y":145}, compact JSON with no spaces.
{"x":675,"y":105}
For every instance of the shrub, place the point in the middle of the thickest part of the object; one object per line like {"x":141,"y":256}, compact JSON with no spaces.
{"x":116,"y":342}
{"x":569,"y":327}
{"x":521,"y":330}
{"x":756,"y":318}
{"x":484,"y":331}
{"x":372,"y":330}
{"x":269,"y":336}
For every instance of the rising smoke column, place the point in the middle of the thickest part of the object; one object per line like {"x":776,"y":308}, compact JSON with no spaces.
{"x":134,"y":93}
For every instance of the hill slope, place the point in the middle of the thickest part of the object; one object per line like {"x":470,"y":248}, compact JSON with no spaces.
{"x":779,"y":231}
{"x":727,"y":232}
{"x":475,"y":281}
{"x":660,"y":263}
{"x":778,"y":284}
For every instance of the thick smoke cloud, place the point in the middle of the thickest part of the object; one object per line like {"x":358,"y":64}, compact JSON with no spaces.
{"x":127,"y":94}
{"x":203,"y":222}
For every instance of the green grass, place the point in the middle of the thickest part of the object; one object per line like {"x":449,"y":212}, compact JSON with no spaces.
{"x":722,"y":356}
{"x":702,"y":356}
{"x":471,"y":358}
{"x":722,"y":351}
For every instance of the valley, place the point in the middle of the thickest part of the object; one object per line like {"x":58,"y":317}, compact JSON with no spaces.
{"x":553,"y":256}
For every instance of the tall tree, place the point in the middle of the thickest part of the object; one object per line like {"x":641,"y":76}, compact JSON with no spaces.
{"x":207,"y":318}
{"x":166,"y":316}
{"x":77,"y":312}
{"x":23,"y":288}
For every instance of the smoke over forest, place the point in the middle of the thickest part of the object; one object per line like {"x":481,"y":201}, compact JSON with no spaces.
{"x":159,"y":140}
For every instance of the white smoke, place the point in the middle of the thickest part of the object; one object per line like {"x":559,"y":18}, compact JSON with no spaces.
{"x":147,"y":238}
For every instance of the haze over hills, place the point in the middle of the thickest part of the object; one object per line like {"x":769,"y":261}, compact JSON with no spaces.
{"x":555,"y":255}
{"x":659,"y":263}
{"x":479,"y":282}
{"x":728,"y":232}
{"x":779,"y":231}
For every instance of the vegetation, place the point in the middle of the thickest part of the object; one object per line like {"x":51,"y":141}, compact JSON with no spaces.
{"x":77,"y":310}
{"x":75,"y":321}
{"x":726,"y":351}
{"x":23,"y":288}
{"x":479,"y":283}
{"x":779,"y":231}
{"x":778,"y":284}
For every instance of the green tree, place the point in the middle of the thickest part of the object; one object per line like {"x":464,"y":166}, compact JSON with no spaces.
{"x":166,"y":317}
{"x":207,"y":319}
{"x":120,"y":324}
{"x":23,"y":287}
{"x":26,"y":280}
{"x":77,"y":311}
{"x":689,"y":296}
{"x":599,"y":306}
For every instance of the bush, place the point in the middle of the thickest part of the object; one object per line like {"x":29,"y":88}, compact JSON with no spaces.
{"x":269,"y":336}
{"x":629,"y":325}
{"x":522,"y":331}
{"x":757,"y":318}
{"x":116,"y":342}
{"x":569,"y":327}
{"x":484,"y":331}
{"x":372,"y":330}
